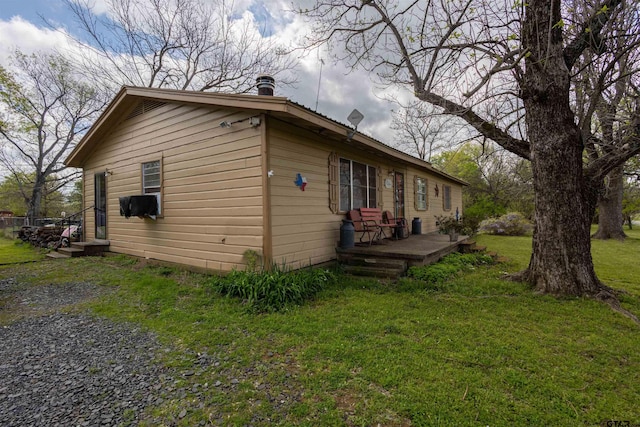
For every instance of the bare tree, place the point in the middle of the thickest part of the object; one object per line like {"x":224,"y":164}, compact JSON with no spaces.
{"x":178,"y":44}
{"x":422,"y":130}
{"x":631,"y":194}
{"x":604,"y":94}
{"x":45,"y":107}
{"x":506,"y":69}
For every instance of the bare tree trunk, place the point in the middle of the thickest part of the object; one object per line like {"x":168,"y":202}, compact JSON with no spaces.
{"x":610,"y":219}
{"x":561,"y":260}
{"x":35,"y":203}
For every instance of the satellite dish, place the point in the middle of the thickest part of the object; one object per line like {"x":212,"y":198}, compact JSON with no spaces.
{"x":355,"y":117}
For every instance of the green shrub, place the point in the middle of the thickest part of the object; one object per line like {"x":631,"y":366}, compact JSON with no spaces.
{"x":275,"y":290}
{"x":448,"y":266}
{"x":482,"y":208}
{"x":511,"y":224}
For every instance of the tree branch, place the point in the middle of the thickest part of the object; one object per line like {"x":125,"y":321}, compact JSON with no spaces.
{"x":599,"y":168}
{"x":589,"y":35}
{"x":517,"y":146}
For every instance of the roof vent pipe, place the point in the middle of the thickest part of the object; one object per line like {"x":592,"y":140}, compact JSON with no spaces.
{"x":266,"y":84}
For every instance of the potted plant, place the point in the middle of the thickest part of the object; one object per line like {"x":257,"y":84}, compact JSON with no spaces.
{"x":449,"y":225}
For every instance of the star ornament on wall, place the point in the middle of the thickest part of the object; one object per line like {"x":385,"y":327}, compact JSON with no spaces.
{"x":300,"y":182}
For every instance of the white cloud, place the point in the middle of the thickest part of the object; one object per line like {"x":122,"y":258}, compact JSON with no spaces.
{"x":23,"y":35}
{"x":99,"y":6}
{"x":341,"y":90}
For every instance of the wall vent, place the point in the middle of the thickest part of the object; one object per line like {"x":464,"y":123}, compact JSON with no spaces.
{"x":144,"y":107}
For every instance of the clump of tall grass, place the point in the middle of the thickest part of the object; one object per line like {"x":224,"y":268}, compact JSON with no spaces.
{"x":448,"y":266}
{"x":275,"y":289}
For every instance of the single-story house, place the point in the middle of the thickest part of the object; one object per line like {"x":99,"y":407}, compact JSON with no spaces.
{"x":233,"y":173}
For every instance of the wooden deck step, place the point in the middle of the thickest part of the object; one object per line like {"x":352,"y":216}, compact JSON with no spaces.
{"x":467,"y":246}
{"x":94,"y":248}
{"x":372,"y":265}
{"x":372,"y":261}
{"x":362,"y":270}
{"x":72,"y":252}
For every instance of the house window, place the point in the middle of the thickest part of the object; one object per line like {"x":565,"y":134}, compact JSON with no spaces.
{"x":358,"y":187}
{"x":446,"y":197}
{"x":420,"y":194}
{"x":152,"y":180}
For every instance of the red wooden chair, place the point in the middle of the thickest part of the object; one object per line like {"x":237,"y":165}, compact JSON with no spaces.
{"x":401,"y":224}
{"x":367,"y":227}
{"x":374,"y":216}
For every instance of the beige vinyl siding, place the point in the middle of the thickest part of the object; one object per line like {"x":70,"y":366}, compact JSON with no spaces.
{"x":434,"y":204}
{"x":303,"y":226}
{"x":211,"y":186}
{"x":304,"y":231}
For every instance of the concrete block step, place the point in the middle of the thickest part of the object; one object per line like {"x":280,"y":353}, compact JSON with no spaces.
{"x":57,"y":255}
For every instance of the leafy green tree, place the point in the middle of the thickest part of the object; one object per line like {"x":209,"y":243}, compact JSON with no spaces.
{"x":498,"y":181}
{"x":14,"y":195}
{"x":74,"y":200}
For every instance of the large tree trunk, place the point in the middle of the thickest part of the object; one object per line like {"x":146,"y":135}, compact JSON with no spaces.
{"x":561,"y":260}
{"x":35,"y":203}
{"x":610,"y":219}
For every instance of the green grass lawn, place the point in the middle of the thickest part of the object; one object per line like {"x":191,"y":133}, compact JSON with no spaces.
{"x":475,"y":350}
{"x":15,"y":251}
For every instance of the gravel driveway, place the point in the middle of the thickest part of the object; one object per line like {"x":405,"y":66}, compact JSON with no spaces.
{"x":61,"y":369}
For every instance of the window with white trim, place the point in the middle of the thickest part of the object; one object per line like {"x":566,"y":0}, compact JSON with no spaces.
{"x":358,"y":188}
{"x":420,"y":193}
{"x":152,"y":180}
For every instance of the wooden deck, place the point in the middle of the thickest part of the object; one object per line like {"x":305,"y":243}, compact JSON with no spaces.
{"x":392,"y":258}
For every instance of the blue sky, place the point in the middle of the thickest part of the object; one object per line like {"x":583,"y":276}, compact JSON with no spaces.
{"x":31,"y":10}
{"x":341,"y":92}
